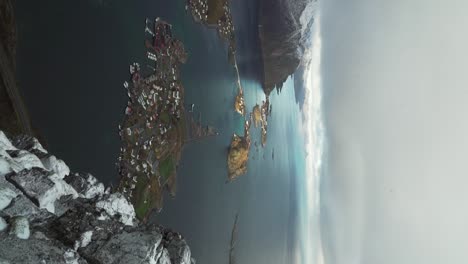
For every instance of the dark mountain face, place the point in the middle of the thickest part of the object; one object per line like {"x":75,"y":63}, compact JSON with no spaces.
{"x":281,"y":38}
{"x":299,"y":86}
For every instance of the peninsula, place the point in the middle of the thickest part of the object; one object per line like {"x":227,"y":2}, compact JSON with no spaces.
{"x":154,"y":129}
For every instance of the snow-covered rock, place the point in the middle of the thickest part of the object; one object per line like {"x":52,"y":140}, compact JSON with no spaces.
{"x":20,"y":227}
{"x":94,"y":188}
{"x":73,"y":219}
{"x":163,"y":257}
{"x":42,"y":186}
{"x":178,"y":249}
{"x":23,"y":206}
{"x":4,"y":167}
{"x":5,"y":143}
{"x":55,"y":165}
{"x":26,"y":160}
{"x":58,"y":166}
{"x":3,"y":224}
{"x":117,"y":204}
{"x":130,"y":248}
{"x":28,"y":143}
{"x":86,"y":185}
{"x":6,"y":195}
{"x":71,"y":257}
{"x":84,"y":240}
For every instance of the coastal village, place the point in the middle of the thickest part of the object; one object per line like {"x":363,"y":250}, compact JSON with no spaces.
{"x":156,"y":124}
{"x":153,"y":130}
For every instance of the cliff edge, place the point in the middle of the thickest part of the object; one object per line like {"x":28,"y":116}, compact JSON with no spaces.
{"x":14,"y":118}
{"x":50,"y":215}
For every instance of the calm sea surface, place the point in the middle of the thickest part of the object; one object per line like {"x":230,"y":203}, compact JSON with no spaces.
{"x":73,"y":57}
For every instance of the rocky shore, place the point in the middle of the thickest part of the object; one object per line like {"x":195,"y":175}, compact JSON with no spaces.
{"x":51,"y":215}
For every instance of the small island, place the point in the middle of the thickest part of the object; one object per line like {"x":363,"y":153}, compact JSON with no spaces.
{"x":238,"y":155}
{"x":154,"y":127}
{"x":259,"y":117}
{"x":239,"y":104}
{"x":265,"y":112}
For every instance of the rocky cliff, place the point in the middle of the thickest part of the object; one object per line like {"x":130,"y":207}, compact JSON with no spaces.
{"x":49,"y":215}
{"x":238,"y":156}
{"x":284,"y":26}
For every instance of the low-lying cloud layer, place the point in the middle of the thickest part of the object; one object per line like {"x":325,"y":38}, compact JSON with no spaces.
{"x":396,"y":100}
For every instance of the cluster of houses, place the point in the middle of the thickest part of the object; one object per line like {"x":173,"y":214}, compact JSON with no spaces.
{"x":199,"y":9}
{"x":225,"y":25}
{"x":155,"y":106}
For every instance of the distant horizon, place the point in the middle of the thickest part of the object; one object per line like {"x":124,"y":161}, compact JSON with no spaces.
{"x":314,"y":130}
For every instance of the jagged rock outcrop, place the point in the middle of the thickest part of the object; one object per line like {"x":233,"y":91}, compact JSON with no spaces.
{"x":283,"y":30}
{"x":49,"y":215}
{"x":238,"y":156}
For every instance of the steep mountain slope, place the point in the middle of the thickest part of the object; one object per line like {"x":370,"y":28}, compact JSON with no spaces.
{"x":283,"y":31}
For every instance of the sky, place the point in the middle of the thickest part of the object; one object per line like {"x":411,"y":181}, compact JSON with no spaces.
{"x":394,"y":91}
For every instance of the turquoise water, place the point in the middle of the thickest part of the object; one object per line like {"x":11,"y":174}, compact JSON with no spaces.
{"x":100,"y":42}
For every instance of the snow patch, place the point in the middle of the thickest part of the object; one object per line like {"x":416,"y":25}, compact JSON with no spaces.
{"x":95,"y":188}
{"x":5,"y":143}
{"x":60,"y":188}
{"x":116,"y":204}
{"x":55,"y":165}
{"x":71,"y":257}
{"x":84,"y":240}
{"x":102,"y":217}
{"x":153,"y":255}
{"x":6,"y":196}
{"x":4,"y":167}
{"x":27,"y":160}
{"x":20,"y":227}
{"x":3,"y":224}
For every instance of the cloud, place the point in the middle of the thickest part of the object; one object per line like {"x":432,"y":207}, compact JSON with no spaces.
{"x":311,"y":249}
{"x":395,"y":91}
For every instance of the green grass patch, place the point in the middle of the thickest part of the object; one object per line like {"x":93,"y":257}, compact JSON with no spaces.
{"x":166,"y":169}
{"x":142,"y":208}
{"x":165,"y":117}
{"x":215,"y":10}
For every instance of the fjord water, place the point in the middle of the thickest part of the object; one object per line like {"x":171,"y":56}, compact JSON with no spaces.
{"x":72,"y":60}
